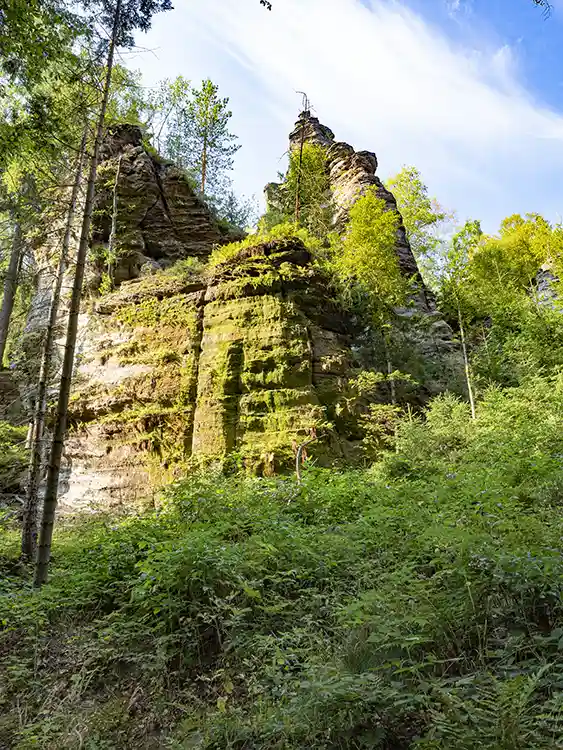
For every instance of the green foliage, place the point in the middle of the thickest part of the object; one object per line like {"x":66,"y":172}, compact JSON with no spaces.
{"x":190,"y":127}
{"x":365,"y":259}
{"x":33,"y":34}
{"x":13,"y":457}
{"x":278,"y":233}
{"x":417,"y":604}
{"x":489,"y":282}
{"x":166,"y":117}
{"x":511,"y":260}
{"x":135,"y":15}
{"x":424,"y":218}
{"x":524,"y":339}
{"x":126,"y":101}
{"x":306,"y":184}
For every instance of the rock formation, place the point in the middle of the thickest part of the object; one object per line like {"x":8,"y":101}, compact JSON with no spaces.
{"x":160,"y":218}
{"x":545,"y":286}
{"x":176,"y":365}
{"x":351,"y":174}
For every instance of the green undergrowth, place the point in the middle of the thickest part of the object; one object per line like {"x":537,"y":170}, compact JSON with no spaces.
{"x":416,"y":604}
{"x":13,"y":462}
{"x":280,"y":232}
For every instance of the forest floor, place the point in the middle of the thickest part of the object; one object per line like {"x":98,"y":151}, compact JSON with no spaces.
{"x":413,"y":604}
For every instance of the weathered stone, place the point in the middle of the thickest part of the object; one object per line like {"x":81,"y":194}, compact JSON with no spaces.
{"x":308,"y":128}
{"x":172,"y":368}
{"x":545,"y":286}
{"x":352,"y":173}
{"x":160,"y":218}
{"x":134,"y":394}
{"x":248,"y":357}
{"x":10,"y":399}
{"x":264,"y":354}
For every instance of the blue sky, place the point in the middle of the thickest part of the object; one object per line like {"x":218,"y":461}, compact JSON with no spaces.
{"x":469,"y":91}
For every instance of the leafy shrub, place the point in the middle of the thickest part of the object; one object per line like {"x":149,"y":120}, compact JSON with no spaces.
{"x":414,"y":604}
{"x":281,"y":232}
{"x":366,"y":256}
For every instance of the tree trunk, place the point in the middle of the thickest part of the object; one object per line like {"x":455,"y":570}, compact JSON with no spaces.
{"x":51,"y":490}
{"x":299,"y":170}
{"x":204,"y":163}
{"x":10,"y":287}
{"x":390,"y":380}
{"x":29,"y":528}
{"x":466,"y":362}
{"x":113,"y":233}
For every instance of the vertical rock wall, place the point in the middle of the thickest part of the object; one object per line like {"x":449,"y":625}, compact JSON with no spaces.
{"x":250,"y":357}
{"x":174,"y":369}
{"x":270,"y":359}
{"x":351,"y":174}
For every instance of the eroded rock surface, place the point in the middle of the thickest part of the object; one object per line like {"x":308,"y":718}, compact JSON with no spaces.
{"x":249,"y":358}
{"x":245,"y":361}
{"x":160,"y":218}
{"x":351,"y":174}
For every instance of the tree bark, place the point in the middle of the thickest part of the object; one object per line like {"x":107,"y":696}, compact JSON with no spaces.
{"x":51,"y":490}
{"x":10,"y":287}
{"x":29,"y":527}
{"x":297,"y":216}
{"x":389,"y":364}
{"x":466,"y":362}
{"x":204,"y":163}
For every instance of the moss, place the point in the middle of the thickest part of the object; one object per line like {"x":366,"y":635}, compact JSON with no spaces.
{"x":177,"y":312}
{"x":278,"y":233}
{"x":247,"y":356}
{"x":13,"y":457}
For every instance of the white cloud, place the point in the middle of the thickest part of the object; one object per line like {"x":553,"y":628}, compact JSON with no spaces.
{"x":383,"y":79}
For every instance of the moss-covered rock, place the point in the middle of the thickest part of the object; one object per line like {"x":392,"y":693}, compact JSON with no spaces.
{"x":261,"y":385}
{"x":243,"y":361}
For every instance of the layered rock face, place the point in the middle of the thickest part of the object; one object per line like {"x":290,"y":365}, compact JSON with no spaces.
{"x":172,"y":368}
{"x":424,"y":342}
{"x":351,"y":174}
{"x":159,"y":217}
{"x":250,"y":357}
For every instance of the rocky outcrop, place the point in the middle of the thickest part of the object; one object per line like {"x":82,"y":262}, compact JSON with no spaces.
{"x":545,"y":282}
{"x":271,"y":359}
{"x":159,"y":219}
{"x":249,"y":357}
{"x":351,"y":174}
{"x":177,"y":369}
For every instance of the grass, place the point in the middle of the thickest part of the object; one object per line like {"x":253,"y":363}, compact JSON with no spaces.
{"x":416,"y":604}
{"x":280,"y":232}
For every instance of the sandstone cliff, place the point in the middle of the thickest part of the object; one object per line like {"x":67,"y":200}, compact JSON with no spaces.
{"x":242,"y":360}
{"x":183,"y":363}
{"x":351,"y":173}
{"x":159,"y":217}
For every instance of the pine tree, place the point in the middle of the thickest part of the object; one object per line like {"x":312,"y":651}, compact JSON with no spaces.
{"x":211,"y":144}
{"x":10,"y":283}
{"x":124,"y":16}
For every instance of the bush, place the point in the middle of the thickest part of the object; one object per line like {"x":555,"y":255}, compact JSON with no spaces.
{"x":281,"y":232}
{"x":414,"y":604}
